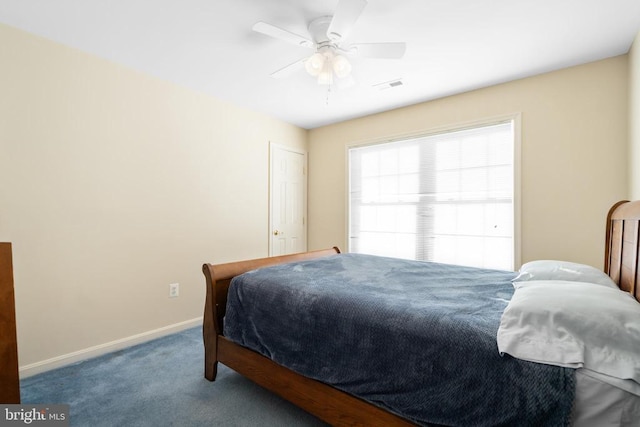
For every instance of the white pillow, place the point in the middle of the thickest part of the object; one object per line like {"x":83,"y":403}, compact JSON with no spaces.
{"x":563,"y":270}
{"x":574,"y":324}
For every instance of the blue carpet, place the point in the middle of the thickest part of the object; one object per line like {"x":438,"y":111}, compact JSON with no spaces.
{"x":160,"y":383}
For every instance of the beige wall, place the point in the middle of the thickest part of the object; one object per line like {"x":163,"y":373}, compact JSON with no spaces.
{"x":573,"y":155}
{"x":634,"y":119}
{"x":114,"y":185}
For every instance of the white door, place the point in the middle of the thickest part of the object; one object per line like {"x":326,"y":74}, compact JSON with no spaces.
{"x":288,"y":201}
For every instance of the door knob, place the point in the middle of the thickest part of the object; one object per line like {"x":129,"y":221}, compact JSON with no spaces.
{"x":277,"y":233}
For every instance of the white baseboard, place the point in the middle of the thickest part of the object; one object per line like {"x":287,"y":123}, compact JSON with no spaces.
{"x":99,"y":350}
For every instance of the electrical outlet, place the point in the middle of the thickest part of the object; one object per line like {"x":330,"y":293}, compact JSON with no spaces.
{"x":174,"y":290}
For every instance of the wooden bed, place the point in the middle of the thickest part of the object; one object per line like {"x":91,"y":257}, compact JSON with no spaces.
{"x":332,"y":405}
{"x":621,"y":247}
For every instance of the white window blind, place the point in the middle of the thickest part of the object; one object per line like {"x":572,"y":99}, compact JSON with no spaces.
{"x":444,"y":198}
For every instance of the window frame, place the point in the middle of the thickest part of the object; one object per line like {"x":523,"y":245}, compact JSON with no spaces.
{"x":516,"y":118}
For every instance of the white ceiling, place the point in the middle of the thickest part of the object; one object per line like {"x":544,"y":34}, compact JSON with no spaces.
{"x":452,"y":45}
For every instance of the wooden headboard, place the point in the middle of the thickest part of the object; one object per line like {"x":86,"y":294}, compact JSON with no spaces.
{"x":621,"y":249}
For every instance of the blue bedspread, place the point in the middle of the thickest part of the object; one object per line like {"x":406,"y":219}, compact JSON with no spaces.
{"x":416,"y":338}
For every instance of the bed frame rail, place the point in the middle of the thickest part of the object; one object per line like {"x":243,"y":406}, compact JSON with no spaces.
{"x":218,"y":278}
{"x":327,"y":403}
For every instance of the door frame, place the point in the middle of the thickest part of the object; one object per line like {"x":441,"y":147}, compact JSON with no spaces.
{"x":272,"y":147}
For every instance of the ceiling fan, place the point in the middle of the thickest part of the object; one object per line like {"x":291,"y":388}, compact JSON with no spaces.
{"x":328,"y":35}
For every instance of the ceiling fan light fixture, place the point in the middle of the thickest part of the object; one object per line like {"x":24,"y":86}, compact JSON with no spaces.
{"x":315,"y":64}
{"x":341,"y":66}
{"x":325,"y":64}
{"x":325,"y":77}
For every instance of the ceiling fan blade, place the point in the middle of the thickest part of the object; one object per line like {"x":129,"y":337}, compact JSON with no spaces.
{"x":345,"y":16}
{"x":379,"y":50}
{"x":281,"y":34}
{"x":289,"y":69}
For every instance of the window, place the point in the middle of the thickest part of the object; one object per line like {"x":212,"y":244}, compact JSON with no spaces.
{"x":445,"y":198}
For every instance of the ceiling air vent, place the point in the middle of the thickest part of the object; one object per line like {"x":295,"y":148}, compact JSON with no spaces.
{"x":390,"y":84}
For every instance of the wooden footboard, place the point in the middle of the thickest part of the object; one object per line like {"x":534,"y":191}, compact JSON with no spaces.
{"x":218,"y":279}
{"x":325,"y":402}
